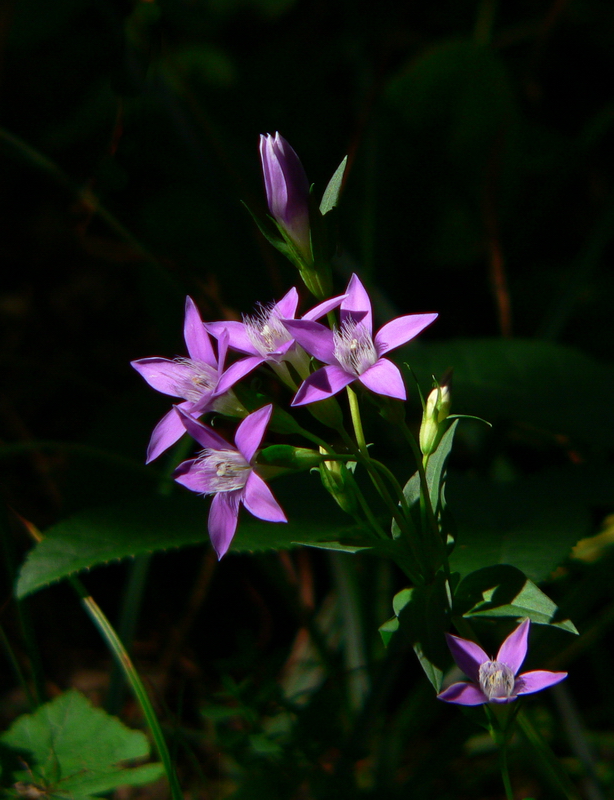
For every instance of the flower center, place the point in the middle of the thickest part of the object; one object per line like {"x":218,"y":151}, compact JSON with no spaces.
{"x":266,"y":331}
{"x":200,"y":378}
{"x":496,"y":679}
{"x":225,"y":470}
{"x":354,"y":348}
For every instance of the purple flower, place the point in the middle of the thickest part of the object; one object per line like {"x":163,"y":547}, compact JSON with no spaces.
{"x":352,"y":352}
{"x":227,"y":472}
{"x":264,"y":337}
{"x":495,"y":681}
{"x":194,"y":379}
{"x":287,"y":190}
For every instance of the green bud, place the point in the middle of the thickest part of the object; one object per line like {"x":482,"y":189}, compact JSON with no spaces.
{"x":337,"y":481}
{"x":435,"y":414}
{"x":287,"y":457}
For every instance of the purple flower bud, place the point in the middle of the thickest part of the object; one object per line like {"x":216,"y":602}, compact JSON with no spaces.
{"x":287,"y":190}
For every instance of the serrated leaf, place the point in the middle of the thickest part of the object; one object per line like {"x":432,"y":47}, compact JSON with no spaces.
{"x":330,"y":198}
{"x":504,"y":591}
{"x":74,"y":750}
{"x":122,"y":530}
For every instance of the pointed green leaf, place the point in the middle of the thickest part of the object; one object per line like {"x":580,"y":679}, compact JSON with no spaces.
{"x":99,"y":535}
{"x":330,"y":198}
{"x":504,"y":591}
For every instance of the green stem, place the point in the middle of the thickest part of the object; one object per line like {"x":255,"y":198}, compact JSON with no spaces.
{"x":357,"y":422}
{"x":550,"y":764}
{"x":425,"y":496}
{"x":505,"y":774}
{"x":125,"y":663}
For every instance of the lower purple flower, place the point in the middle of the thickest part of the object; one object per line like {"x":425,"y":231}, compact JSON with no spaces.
{"x":495,"y":681}
{"x":227,"y":472}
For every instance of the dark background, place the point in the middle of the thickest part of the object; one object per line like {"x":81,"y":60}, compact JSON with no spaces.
{"x":480,"y":185}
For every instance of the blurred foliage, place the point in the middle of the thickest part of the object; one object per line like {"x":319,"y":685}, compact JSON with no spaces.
{"x":480,"y":184}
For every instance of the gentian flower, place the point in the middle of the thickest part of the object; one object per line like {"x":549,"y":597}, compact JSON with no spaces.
{"x":194,"y":379}
{"x":352,"y":352}
{"x":227,"y":472}
{"x":287,"y":190}
{"x":497,"y":680}
{"x":265,"y":337}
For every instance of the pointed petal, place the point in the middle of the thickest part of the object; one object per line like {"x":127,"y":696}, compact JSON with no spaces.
{"x":357,"y":304}
{"x":400,"y":330}
{"x":222,"y":351}
{"x":223,"y":518}
{"x":237,"y":335}
{"x":250,"y":432}
{"x":286,"y":308}
{"x":204,"y":435}
{"x":535,"y":681}
{"x":468,"y":655}
{"x":163,"y":374}
{"x":323,"y":308}
{"x":188,"y":475}
{"x":322,"y":384}
{"x":465,"y":694}
{"x":196,"y":337}
{"x":384,"y":377}
{"x":514,"y":649}
{"x":259,"y":501}
{"x":236,"y":371}
{"x":313,"y":337}
{"x":168,"y":431}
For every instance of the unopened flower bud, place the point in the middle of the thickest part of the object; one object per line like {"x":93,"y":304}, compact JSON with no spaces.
{"x":337,"y":481}
{"x":288,"y":457}
{"x":287,"y":190}
{"x":435,"y":413}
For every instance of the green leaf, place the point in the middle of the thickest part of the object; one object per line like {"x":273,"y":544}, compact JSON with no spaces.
{"x":73,"y":750}
{"x":550,"y":387}
{"x":99,"y":535}
{"x":503,"y":591}
{"x":421,"y":616}
{"x":435,"y":476}
{"x":330,"y":198}
{"x":530,"y":524}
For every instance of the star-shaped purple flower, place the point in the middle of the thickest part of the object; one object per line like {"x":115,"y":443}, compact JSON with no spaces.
{"x":495,"y":681}
{"x":195,"y":379}
{"x":227,"y":472}
{"x":265,"y":337}
{"x":352,"y":352}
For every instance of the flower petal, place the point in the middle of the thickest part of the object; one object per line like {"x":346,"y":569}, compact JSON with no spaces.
{"x":287,"y":306}
{"x":163,"y":374}
{"x":236,"y":371}
{"x":468,"y":655}
{"x":514,"y":649}
{"x":313,"y":337}
{"x":204,"y":435}
{"x":168,"y":431}
{"x":237,"y":335}
{"x":189,"y":475}
{"x":357,"y":304}
{"x":323,"y":308}
{"x":259,"y":501}
{"x":323,"y":383}
{"x":250,"y":432}
{"x":535,"y":681}
{"x":400,"y":330}
{"x":384,"y":377}
{"x":196,"y":337}
{"x":465,"y":694}
{"x":223,"y":518}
